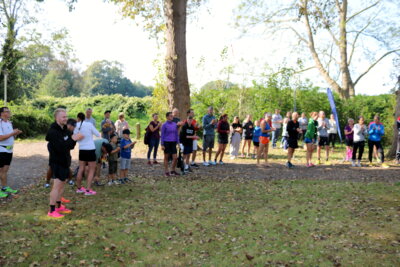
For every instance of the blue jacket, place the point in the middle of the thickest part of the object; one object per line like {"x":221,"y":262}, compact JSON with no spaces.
{"x":376,"y":131}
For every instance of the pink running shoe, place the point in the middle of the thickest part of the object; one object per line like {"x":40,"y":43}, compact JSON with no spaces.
{"x":55,"y":215}
{"x":81,"y":190}
{"x":63,"y":209}
{"x":90,"y":193}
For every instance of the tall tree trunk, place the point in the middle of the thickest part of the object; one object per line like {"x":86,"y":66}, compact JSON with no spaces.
{"x":176,"y":65}
{"x":393,"y":149}
{"x":347,"y":83}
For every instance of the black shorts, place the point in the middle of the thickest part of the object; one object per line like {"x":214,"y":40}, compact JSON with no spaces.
{"x":223,"y":139}
{"x":87,"y":155}
{"x":323,"y":141}
{"x":349,"y":142}
{"x":292,"y":142}
{"x":248,"y":137}
{"x":59,"y":172}
{"x":5,"y":159}
{"x":257,"y":144}
{"x":170,"y":148}
{"x":112,"y":167}
{"x":187,"y":149}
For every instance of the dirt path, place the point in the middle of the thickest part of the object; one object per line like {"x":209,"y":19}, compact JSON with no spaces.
{"x":31,"y":160}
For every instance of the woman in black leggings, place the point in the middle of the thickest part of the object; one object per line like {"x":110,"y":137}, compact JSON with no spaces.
{"x":360,"y":133}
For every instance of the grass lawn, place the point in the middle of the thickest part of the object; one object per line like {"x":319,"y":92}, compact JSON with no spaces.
{"x":227,"y":222}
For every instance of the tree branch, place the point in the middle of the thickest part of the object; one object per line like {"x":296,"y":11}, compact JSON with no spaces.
{"x":375,"y":63}
{"x":356,"y":39}
{"x":363,"y":10}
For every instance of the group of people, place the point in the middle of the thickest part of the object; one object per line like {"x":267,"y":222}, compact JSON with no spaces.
{"x":115,"y":146}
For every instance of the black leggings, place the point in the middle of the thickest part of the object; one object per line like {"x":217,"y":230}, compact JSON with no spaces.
{"x":332,"y":139}
{"x":379,"y":149}
{"x":358,"y":145}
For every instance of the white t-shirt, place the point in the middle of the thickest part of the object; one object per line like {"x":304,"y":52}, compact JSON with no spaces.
{"x":6,"y":128}
{"x":303,"y":123}
{"x":333,"y":129}
{"x":275,"y":118}
{"x":87,"y":130}
{"x":120,"y":125}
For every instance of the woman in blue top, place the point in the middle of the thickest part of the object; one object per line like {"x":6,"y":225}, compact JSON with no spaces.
{"x":376,"y":130}
{"x":256,"y":137}
{"x":264,"y":138}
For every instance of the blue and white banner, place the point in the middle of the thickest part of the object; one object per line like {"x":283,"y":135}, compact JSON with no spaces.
{"x":334,"y":111}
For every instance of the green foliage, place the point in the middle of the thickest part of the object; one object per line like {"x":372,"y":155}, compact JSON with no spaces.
{"x":35,"y":116}
{"x":106,"y":77}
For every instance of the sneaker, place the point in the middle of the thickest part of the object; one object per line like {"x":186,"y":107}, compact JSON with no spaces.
{"x":116,"y":182}
{"x":110,"y":183}
{"x":64,"y":200}
{"x":194,"y":165}
{"x":81,"y":190}
{"x":308,"y":165}
{"x":318,"y":162}
{"x":167,"y":174}
{"x":63,"y":209}
{"x":353,"y":163}
{"x":384,"y":165}
{"x":90,"y":193}
{"x":174,"y":173}
{"x":186,"y":171}
{"x":55,"y":215}
{"x":212,"y":163}
{"x":328,"y":163}
{"x":104,"y":165}
{"x":155,"y":162}
{"x":190,"y":169}
{"x":71,"y":182}
{"x":289,"y":165}
{"x":9,"y":190}
{"x":359,"y":164}
{"x":232,"y":157}
{"x":127,"y":180}
{"x":205,"y":163}
{"x":221,"y":162}
{"x":46,"y":185}
{"x":379,"y":161}
{"x":149,"y":163}
{"x":98,"y":184}
{"x":3,"y":195}
{"x":121,"y":181}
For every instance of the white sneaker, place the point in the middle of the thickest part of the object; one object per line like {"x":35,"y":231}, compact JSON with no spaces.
{"x":116,"y":182}
{"x":110,"y":183}
{"x":212,"y":163}
{"x":359,"y":164}
{"x":353,"y":163}
{"x":205,"y":163}
{"x":46,"y":185}
{"x":233,"y":157}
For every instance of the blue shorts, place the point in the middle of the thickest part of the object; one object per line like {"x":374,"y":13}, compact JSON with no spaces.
{"x":308,"y":141}
{"x":187,"y":149}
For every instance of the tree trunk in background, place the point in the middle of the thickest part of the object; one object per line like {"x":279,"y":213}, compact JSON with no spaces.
{"x":392,"y":151}
{"x":176,"y":65}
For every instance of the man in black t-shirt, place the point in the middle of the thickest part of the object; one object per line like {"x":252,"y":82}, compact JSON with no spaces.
{"x":293,"y":129}
{"x":186,"y":137}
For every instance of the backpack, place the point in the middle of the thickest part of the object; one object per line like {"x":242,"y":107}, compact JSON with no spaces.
{"x":147,"y":135}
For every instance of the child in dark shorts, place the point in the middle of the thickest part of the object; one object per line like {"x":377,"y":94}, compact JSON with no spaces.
{"x":113,"y":160}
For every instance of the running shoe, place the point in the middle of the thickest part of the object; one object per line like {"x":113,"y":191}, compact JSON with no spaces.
{"x":81,"y":190}
{"x":90,"y":193}
{"x":174,"y":173}
{"x":379,"y":161}
{"x":71,"y":183}
{"x":370,"y":164}
{"x":149,"y":163}
{"x":359,"y":164}
{"x":64,"y":200}
{"x":328,"y":163}
{"x":46,"y":185}
{"x":353,"y":163}
{"x":190,"y":169}
{"x":98,"y":184}
{"x":127,"y":180}
{"x":110,"y":183}
{"x":9,"y":190}
{"x":155,"y":162}
{"x":221,"y":162}
{"x":185,"y":171}
{"x":121,"y":181}
{"x":167,"y":174}
{"x":205,"y":163}
{"x":55,"y":215}
{"x":384,"y":165}
{"x":3,"y":195}
{"x":116,"y":182}
{"x":62,"y":209}
{"x":194,"y":165}
{"x":318,"y":162}
{"x":308,"y":165}
{"x":212,"y":163}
